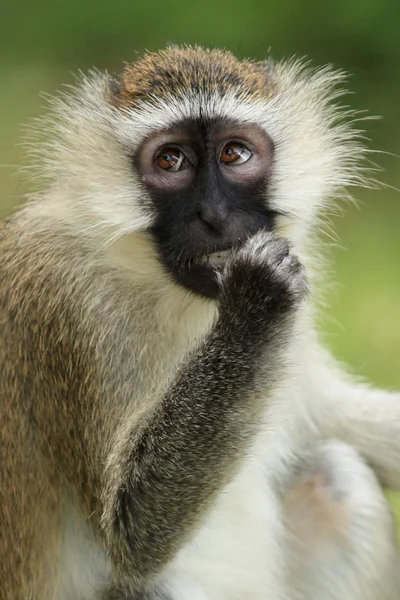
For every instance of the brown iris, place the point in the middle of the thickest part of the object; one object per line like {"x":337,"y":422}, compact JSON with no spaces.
{"x":170,"y":159}
{"x":234,"y":152}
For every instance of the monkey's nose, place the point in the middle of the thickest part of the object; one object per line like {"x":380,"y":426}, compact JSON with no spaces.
{"x":214,"y":215}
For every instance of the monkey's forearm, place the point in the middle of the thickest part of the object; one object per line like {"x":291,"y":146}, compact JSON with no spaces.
{"x":167,"y":472}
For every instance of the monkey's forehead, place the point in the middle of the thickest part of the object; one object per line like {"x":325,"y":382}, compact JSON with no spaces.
{"x":176,"y":70}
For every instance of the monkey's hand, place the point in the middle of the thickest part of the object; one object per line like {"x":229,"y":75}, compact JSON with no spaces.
{"x":263,"y":282}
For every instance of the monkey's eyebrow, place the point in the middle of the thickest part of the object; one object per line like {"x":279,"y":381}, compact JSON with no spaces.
{"x":173,"y":135}
{"x":182,"y":130}
{"x":237,"y":130}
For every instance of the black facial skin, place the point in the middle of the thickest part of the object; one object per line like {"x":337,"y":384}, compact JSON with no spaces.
{"x":206,"y":206}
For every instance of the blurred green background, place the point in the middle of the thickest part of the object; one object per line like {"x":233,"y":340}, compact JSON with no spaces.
{"x":42,"y":43}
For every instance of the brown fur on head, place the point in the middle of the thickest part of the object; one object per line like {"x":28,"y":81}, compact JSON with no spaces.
{"x":176,"y":70}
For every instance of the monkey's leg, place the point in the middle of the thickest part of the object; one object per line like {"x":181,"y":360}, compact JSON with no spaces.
{"x":341,"y":531}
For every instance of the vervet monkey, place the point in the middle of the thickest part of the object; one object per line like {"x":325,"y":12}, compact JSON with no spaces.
{"x":171,"y":426}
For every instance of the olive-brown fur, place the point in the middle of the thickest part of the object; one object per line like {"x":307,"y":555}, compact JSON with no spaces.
{"x":177,"y":70}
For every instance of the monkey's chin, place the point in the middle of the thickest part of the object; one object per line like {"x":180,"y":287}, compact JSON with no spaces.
{"x":200,"y":279}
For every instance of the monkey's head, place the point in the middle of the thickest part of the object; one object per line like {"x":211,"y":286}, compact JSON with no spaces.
{"x":194,"y":151}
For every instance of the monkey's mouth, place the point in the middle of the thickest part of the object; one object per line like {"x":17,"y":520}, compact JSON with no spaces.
{"x":215,"y":259}
{"x":199,"y":273}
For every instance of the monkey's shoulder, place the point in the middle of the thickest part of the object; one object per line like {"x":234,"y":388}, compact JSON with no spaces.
{"x":57,"y":303}
{"x":41,"y":280}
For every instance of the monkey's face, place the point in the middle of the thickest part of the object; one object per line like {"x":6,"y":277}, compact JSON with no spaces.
{"x":190,"y":151}
{"x":208,"y":181}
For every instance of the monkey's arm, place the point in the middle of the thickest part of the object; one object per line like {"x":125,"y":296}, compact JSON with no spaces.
{"x":164,"y":473}
{"x":165,"y":470}
{"x":366,"y":418}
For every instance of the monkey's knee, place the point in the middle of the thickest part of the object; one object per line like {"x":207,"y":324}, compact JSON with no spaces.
{"x":333,"y":492}
{"x":340,"y":527}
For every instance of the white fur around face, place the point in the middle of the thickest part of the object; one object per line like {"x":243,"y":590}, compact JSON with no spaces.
{"x":95,"y":189}
{"x":315,"y":155}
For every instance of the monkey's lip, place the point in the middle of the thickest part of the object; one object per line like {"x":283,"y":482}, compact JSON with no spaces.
{"x":198,"y":274}
{"x":215,"y":258}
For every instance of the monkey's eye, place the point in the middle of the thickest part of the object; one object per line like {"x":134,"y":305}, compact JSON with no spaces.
{"x":171,"y":159}
{"x":235,"y":153}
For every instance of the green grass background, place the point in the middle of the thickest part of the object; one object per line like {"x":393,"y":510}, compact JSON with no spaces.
{"x":43,"y":42}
